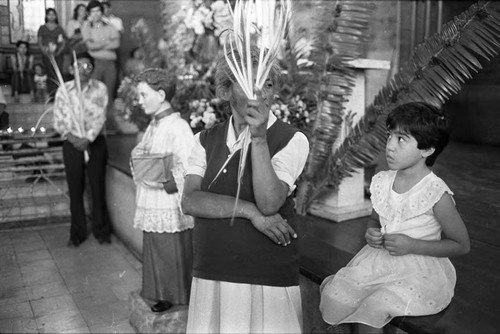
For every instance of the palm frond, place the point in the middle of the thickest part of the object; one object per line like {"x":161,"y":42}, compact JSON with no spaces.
{"x":436,"y":70}
{"x":340,"y":37}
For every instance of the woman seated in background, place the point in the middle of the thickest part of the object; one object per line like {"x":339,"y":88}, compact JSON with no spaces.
{"x":135,"y":64}
{"x":22,"y":65}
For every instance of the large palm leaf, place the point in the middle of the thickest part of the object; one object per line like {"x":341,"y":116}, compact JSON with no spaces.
{"x":340,"y":36}
{"x":437,"y":69}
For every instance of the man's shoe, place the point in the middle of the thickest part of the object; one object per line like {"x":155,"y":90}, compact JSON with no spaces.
{"x":103,"y":240}
{"x":161,"y":306}
{"x":73,"y":243}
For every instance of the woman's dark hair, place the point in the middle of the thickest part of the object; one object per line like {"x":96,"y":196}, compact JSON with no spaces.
{"x":23,"y":42}
{"x":47,"y":11}
{"x":131,"y":55}
{"x":86,"y":55}
{"x":426,"y":123}
{"x":224,"y":77}
{"x":77,"y":8}
{"x":157,"y":79}
{"x":93,"y":4}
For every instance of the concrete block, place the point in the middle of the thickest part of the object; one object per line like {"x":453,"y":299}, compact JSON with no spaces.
{"x":143,"y":320}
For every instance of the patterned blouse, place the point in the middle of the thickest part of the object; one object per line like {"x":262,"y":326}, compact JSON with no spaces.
{"x":67,"y":112}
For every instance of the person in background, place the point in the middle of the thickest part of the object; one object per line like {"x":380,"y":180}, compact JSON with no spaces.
{"x":135,"y":64}
{"x":76,"y":146}
{"x":4,"y":116}
{"x":74,"y":29}
{"x":22,"y":65}
{"x":167,"y":238}
{"x":40,"y":83}
{"x":102,"y":41}
{"x":112,"y":19}
{"x":52,"y":41}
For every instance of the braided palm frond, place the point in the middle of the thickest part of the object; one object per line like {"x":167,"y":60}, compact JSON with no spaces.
{"x":437,"y":69}
{"x":340,"y":36}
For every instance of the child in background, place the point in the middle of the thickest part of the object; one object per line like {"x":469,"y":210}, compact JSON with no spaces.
{"x":404,"y":270}
{"x":40,"y":80}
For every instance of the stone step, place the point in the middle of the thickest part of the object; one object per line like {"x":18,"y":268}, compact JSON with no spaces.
{"x":21,"y":189}
{"x":19,"y":209}
{"x":143,"y":320}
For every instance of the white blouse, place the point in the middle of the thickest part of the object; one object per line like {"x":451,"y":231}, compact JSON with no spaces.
{"x":158,"y":211}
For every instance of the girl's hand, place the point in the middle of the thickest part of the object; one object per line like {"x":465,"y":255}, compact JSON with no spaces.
{"x":398,"y":244}
{"x":276,"y":228}
{"x":258,"y":115}
{"x":374,"y":237}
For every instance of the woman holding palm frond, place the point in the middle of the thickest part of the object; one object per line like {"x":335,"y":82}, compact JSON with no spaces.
{"x":246,"y":274}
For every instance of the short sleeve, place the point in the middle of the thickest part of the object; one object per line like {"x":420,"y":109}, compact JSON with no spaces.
{"x":289,"y":163}
{"x":197,"y":161}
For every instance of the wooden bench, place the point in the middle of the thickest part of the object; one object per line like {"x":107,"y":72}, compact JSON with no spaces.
{"x":474,"y":309}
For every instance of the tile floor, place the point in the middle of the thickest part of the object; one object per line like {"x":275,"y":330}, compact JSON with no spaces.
{"x":46,"y":287}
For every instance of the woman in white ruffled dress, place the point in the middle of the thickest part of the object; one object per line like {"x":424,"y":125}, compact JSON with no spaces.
{"x":404,"y":270}
{"x":167,"y":240}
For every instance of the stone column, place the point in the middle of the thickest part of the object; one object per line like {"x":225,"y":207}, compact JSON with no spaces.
{"x":348,"y":201}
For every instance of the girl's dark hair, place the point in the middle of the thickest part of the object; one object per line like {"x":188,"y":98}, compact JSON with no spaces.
{"x":75,"y":11}
{"x":426,"y":123}
{"x":224,"y":78}
{"x":159,"y":79}
{"x":47,"y":11}
{"x":40,"y":65}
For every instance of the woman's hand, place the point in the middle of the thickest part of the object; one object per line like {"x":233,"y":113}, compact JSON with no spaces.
{"x":374,"y":237}
{"x":258,"y":115}
{"x":275,"y":227}
{"x":398,"y":244}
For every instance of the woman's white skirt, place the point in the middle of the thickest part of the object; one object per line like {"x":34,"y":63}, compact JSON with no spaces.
{"x":225,"y":307}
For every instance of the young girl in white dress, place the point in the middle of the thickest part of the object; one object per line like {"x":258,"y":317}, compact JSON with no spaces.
{"x":404,"y":270}
{"x":167,"y":244}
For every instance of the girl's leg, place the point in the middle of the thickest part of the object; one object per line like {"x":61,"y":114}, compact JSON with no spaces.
{"x":365,"y":329}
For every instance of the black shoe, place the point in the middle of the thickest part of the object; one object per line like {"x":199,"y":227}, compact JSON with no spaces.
{"x":161,"y":306}
{"x":104,"y":240}
{"x":73,"y":243}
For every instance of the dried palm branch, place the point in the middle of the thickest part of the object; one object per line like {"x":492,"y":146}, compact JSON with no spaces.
{"x":80,"y":124}
{"x":270,"y":21}
{"x":340,"y":37}
{"x":436,"y":70}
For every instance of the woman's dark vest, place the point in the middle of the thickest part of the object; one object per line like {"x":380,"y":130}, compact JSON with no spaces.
{"x":238,"y":252}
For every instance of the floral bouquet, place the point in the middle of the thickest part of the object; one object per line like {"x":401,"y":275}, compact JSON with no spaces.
{"x":206,"y":113}
{"x":297,"y":111}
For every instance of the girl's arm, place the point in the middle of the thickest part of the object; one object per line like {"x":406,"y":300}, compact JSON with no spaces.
{"x":198,"y":203}
{"x":455,"y":239}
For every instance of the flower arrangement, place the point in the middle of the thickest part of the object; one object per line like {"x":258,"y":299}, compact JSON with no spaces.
{"x":127,"y":104}
{"x":296,"y":111}
{"x":206,"y":113}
